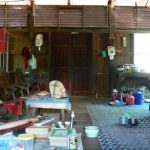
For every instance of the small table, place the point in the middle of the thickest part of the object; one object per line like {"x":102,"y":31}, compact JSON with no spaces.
{"x":48,"y":102}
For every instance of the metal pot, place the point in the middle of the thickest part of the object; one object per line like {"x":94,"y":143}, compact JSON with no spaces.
{"x":133,"y":122}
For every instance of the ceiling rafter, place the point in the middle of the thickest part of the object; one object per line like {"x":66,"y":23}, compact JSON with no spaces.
{"x":146,"y":4}
{"x":15,"y":2}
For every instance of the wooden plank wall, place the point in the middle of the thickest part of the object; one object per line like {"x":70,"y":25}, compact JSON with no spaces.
{"x":143,"y":17}
{"x":2,"y":16}
{"x":124,"y":18}
{"x":45,"y":16}
{"x":14,"y":15}
{"x":72,"y":17}
{"x":93,"y":17}
{"x":131,"y":18}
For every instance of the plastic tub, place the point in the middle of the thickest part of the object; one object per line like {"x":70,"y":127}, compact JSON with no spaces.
{"x":92,"y":131}
{"x":28,"y":141}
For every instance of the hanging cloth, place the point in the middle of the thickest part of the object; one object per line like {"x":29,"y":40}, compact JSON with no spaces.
{"x":26,"y":55}
{"x":33,"y":62}
{"x":3,"y":32}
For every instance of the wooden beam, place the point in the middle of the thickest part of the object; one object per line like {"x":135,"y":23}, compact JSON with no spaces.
{"x":146,"y":4}
{"x":30,"y":24}
{"x":112,"y":3}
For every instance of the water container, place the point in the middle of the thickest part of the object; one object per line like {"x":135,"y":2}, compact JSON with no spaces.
{"x":139,"y":98}
{"x":123,"y":120}
{"x":130,"y":100}
{"x":28,"y":141}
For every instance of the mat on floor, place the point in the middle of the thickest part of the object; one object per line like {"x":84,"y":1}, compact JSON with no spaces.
{"x":114,"y":136}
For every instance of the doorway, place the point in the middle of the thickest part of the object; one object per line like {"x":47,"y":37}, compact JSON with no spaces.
{"x":71,"y":58}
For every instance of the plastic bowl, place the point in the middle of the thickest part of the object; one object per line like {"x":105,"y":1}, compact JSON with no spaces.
{"x":91,"y":131}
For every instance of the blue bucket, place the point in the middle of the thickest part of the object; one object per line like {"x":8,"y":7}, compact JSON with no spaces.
{"x":138,"y":98}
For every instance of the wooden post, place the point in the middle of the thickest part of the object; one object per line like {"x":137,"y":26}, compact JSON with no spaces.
{"x":111,"y":43}
{"x":31,"y":24}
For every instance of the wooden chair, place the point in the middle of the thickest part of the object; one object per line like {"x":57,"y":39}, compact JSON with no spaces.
{"x":7,"y":90}
{"x":34,"y":80}
{"x":31,"y":84}
{"x":20,"y":79}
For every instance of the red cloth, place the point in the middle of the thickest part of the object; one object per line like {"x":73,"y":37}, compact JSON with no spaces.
{"x":13,"y":106}
{"x":2,"y":40}
{"x":26,"y":55}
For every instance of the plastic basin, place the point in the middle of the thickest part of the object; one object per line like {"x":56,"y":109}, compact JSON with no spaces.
{"x":91,"y":131}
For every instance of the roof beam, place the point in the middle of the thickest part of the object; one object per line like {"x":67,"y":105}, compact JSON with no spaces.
{"x":146,"y":4}
{"x":111,"y":2}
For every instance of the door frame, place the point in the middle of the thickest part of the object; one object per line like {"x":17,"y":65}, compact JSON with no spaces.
{"x":90,"y":64}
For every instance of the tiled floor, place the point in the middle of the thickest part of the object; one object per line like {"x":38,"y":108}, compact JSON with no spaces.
{"x":83,"y":119}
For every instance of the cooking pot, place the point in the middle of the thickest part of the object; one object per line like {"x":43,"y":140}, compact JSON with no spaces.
{"x":133,"y":122}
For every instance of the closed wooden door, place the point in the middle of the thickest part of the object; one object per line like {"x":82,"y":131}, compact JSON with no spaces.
{"x":71,"y":61}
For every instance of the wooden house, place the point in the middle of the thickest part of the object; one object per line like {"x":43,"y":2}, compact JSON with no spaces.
{"x":74,"y":38}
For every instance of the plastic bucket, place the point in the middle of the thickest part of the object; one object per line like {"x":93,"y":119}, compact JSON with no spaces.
{"x":138,"y":98}
{"x":27,"y":140}
{"x":91,"y":131}
{"x":130,"y":100}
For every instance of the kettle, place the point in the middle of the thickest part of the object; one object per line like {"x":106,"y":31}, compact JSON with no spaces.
{"x":133,"y":122}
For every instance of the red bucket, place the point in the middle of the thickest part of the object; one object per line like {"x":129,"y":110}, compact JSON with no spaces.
{"x":130,"y":100}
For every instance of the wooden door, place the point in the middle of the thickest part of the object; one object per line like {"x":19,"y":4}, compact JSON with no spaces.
{"x":71,"y":61}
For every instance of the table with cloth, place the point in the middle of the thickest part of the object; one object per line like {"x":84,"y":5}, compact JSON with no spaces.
{"x":47,"y":102}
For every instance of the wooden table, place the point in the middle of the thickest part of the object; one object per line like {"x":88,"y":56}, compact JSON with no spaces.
{"x":46,"y":102}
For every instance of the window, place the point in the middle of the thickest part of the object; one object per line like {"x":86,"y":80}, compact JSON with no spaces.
{"x":142,"y":51}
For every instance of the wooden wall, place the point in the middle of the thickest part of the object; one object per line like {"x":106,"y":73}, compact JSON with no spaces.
{"x":100,"y":41}
{"x":124,"y":55}
{"x":23,"y":27}
{"x":17,"y":41}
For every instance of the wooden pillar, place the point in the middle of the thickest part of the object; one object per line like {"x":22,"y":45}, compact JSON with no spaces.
{"x":31,"y":24}
{"x":111,"y":43}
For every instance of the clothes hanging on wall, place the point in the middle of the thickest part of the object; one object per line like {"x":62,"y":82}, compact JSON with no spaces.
{"x":33,"y":62}
{"x":3,"y":32}
{"x":32,"y":67}
{"x":26,"y":55}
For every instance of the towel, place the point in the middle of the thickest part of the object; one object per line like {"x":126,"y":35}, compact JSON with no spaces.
{"x":2,"y":40}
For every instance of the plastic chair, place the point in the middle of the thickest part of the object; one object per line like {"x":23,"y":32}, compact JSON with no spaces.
{"x":57,"y":89}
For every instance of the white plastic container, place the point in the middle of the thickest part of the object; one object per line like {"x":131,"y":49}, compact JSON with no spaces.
{"x":28,"y":141}
{"x":92,"y":131}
